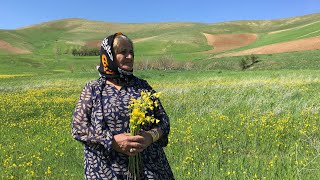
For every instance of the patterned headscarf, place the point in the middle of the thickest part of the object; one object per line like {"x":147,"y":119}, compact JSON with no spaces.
{"x":108,"y":68}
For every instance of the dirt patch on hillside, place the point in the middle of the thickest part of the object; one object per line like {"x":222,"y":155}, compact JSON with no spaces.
{"x":226,"y":42}
{"x":291,"y":46}
{"x":8,"y":47}
{"x":80,"y":43}
{"x":93,"y":44}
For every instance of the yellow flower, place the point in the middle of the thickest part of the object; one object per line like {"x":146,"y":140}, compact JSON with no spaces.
{"x":48,"y":172}
{"x":157,"y":95}
{"x":139,"y":108}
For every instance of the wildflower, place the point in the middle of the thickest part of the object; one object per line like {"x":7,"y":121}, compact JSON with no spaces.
{"x":48,"y":172}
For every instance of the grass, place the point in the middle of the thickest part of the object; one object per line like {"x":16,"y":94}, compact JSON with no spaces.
{"x":262,"y":123}
{"x":225,"y":124}
{"x":232,"y":124}
{"x":52,"y":64}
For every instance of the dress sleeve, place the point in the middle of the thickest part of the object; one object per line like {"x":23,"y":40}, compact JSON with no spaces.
{"x":164,"y":124}
{"x":83,"y":129}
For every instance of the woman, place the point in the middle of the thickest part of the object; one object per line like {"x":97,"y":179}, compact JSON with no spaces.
{"x":101,"y":119}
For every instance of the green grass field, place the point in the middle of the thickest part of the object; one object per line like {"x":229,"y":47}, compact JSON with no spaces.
{"x":261,"y":123}
{"x":226,"y":122}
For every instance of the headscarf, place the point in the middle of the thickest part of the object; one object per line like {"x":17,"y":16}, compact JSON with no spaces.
{"x":108,"y":69}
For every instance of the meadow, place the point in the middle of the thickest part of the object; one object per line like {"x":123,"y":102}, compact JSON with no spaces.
{"x":225,"y":124}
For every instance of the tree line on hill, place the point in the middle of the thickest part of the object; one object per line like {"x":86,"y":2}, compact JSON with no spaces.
{"x":77,"y":51}
{"x":85,"y":51}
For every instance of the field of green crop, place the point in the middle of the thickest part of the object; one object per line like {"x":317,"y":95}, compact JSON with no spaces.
{"x":225,"y":124}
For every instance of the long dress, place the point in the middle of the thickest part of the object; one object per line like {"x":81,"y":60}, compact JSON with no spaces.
{"x":101,"y":113}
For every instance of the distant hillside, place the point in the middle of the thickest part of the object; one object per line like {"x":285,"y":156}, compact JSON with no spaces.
{"x":225,"y":39}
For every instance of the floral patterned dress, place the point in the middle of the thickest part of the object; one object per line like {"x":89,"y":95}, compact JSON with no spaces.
{"x":101,"y":113}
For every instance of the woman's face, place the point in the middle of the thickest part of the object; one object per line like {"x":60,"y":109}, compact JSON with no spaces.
{"x":124,"y":55}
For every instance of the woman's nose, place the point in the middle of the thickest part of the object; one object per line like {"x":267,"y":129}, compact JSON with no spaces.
{"x":129,"y":56}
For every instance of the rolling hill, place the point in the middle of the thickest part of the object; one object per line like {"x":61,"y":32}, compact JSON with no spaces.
{"x":222,"y":39}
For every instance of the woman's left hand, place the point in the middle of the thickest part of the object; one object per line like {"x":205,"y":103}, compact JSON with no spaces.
{"x":147,"y":138}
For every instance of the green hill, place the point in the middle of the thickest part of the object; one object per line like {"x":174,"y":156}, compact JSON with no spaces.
{"x":161,"y":38}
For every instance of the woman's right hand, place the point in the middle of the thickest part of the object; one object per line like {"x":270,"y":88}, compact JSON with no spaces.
{"x":129,"y":145}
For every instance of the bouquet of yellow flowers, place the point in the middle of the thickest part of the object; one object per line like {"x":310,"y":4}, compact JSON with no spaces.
{"x":139,"y":117}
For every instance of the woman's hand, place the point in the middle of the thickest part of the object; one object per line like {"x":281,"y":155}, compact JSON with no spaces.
{"x":131,"y":145}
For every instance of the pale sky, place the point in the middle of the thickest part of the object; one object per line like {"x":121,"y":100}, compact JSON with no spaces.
{"x":19,"y":13}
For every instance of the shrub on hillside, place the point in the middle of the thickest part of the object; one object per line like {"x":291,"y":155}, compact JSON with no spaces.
{"x":248,"y":61}
{"x":85,"y":51}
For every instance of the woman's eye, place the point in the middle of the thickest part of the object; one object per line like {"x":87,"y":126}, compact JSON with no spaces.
{"x":124,"y":52}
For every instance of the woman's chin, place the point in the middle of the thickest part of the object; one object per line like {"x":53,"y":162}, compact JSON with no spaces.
{"x":127,"y":68}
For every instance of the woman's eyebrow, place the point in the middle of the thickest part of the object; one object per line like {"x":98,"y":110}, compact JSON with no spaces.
{"x":125,"y":49}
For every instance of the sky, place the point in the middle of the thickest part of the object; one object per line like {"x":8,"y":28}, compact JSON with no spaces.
{"x":19,"y":13}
